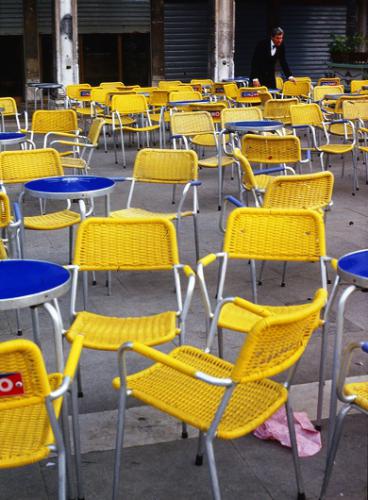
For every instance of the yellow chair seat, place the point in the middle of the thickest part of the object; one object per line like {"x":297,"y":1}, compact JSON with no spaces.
{"x":363,"y":148}
{"x":54,"y":220}
{"x":148,"y":128}
{"x":140,"y":212}
{"x":237,"y":318}
{"x":206,"y":140}
{"x":340,"y":129}
{"x":25,"y":432}
{"x":212,"y":162}
{"x":361,"y":391}
{"x":196,"y":402}
{"x":85,"y":111}
{"x":3,"y":253}
{"x":336,"y":148}
{"x":108,"y":333}
{"x":125,"y":120}
{"x":155,"y":117}
{"x":263,"y":181}
{"x":77,"y":163}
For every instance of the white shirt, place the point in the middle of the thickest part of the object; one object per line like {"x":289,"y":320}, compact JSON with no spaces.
{"x":273,"y":48}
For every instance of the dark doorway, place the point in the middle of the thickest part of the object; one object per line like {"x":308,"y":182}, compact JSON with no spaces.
{"x":12,"y":75}
{"x":136,"y":59}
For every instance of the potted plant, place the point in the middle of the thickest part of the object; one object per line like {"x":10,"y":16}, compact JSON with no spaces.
{"x":347,"y":49}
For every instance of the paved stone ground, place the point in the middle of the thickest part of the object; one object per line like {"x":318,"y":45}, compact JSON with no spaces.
{"x":157,"y":463}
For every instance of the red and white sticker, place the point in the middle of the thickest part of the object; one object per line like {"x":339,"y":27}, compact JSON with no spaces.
{"x":11,"y":384}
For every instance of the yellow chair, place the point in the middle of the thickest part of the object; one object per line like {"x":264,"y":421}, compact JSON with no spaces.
{"x":357,"y":86}
{"x":250,"y":95}
{"x":112,"y":84}
{"x":221,"y":399}
{"x":321,"y":91}
{"x":299,"y":88}
{"x":134,"y":245}
{"x":168,"y":84}
{"x":353,"y":395}
{"x":170,"y":167}
{"x":263,"y":234}
{"x":83,"y":146}
{"x":9,"y":239}
{"x":279,"y":109}
{"x":279,"y":82}
{"x":10,"y":110}
{"x":30,"y":406}
{"x":136,"y":107}
{"x":190,"y":125}
{"x":202,"y":81}
{"x":329,"y":81}
{"x":77,"y":93}
{"x":184,"y":95}
{"x":309,"y":117}
{"x":286,"y":191}
{"x":18,"y":167}
{"x":46,"y":121}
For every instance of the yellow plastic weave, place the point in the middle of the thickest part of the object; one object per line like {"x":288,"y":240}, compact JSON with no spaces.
{"x":24,"y":166}
{"x":356,"y":85}
{"x":5,"y":215}
{"x":300,"y":191}
{"x":360,"y":390}
{"x":275,"y":234}
{"x":63,"y":120}
{"x":53,"y":220}
{"x":306,"y":114}
{"x":104,"y":244}
{"x":73,"y":91}
{"x":279,"y":109}
{"x":166,"y":166}
{"x":9,"y":106}
{"x":249,"y":180}
{"x":271,"y":149}
{"x":240,"y":114}
{"x":109,"y":333}
{"x":300,"y":88}
{"x":191,"y":123}
{"x":319,"y":92}
{"x":184,"y":95}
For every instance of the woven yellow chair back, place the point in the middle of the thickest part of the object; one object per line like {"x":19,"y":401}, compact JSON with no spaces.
{"x":129,"y":104}
{"x":250,"y":95}
{"x":95,"y":130}
{"x":271,"y":149}
{"x":218,"y":89}
{"x":231,"y":90}
{"x":354,"y":98}
{"x":240,"y":114}
{"x":202,"y":81}
{"x":320,"y":92}
{"x":354,"y":110}
{"x":279,"y":108}
{"x":299,"y":88}
{"x":264,"y":97}
{"x":74,"y":91}
{"x":5,"y":215}
{"x":185,"y":95}
{"x":357,"y":85}
{"x":329,"y":81}
{"x":98,"y":94}
{"x":275,"y":234}
{"x":168,"y":84}
{"x":306,"y":114}
{"x":190,"y":123}
{"x":23,"y":376}
{"x":54,"y":120}
{"x":112,"y":84}
{"x":177,"y":166}
{"x":159,"y":98}
{"x":279,"y":82}
{"x":24,"y":166}
{"x":303,"y":79}
{"x":275,"y":343}
{"x":213,"y":108}
{"x":300,"y":191}
{"x":248,"y":178}
{"x":106,"y":244}
{"x":9,"y":106}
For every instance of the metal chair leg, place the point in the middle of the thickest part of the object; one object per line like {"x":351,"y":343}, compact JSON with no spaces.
{"x":283,"y":274}
{"x":220,"y":340}
{"x":76,"y":441}
{"x":254,"y":280}
{"x":119,"y":443}
{"x":61,"y":475}
{"x":215,"y":486}
{"x":184,"y":430}
{"x":199,"y":456}
{"x":294,"y":448}
{"x":331,"y":453}
{"x":19,"y":325}
{"x":196,"y":239}
{"x":260,"y":276}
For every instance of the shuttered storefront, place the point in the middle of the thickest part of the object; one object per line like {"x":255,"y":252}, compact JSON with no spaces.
{"x":250,"y":28}
{"x":308,"y":29}
{"x":187,"y":39}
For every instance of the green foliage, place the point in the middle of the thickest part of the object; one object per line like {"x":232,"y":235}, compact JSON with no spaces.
{"x":345,"y":43}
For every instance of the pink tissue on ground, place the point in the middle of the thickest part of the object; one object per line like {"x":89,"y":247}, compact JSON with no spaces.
{"x":276,"y":428}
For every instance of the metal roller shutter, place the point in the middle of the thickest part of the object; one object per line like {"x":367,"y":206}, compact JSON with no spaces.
{"x":250,"y":28}
{"x":103,"y":16}
{"x":11,"y":17}
{"x":307,"y":34}
{"x":187,"y":39}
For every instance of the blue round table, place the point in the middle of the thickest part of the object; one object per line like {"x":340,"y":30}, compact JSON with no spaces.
{"x":254,"y":126}
{"x":72,"y":187}
{"x":32,"y":283}
{"x":352,"y":270}
{"x":11,"y":138}
{"x":40,"y":86}
{"x":186,"y":103}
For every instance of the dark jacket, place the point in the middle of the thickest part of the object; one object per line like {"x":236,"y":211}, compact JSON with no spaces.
{"x":263,"y":64}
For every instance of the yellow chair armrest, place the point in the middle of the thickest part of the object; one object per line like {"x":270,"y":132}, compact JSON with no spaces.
{"x":71,"y":143}
{"x":65,"y":134}
{"x":250,"y":306}
{"x":188,"y":271}
{"x":208,"y":259}
{"x":333,"y":263}
{"x":73,"y":358}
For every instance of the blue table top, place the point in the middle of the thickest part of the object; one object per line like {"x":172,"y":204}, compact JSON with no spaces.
{"x":11,"y":135}
{"x":179,"y":103}
{"x":70,"y":184}
{"x":25,"y":278}
{"x":355,"y":264}
{"x":255,"y":125}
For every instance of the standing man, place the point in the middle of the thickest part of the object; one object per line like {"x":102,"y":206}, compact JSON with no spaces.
{"x":265,"y":56}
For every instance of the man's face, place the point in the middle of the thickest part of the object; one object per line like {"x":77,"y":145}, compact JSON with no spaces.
{"x":278,"y":39}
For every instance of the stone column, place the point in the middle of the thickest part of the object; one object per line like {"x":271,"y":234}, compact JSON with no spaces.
{"x":31,"y":46}
{"x":66,"y":41}
{"x":224,"y":39}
